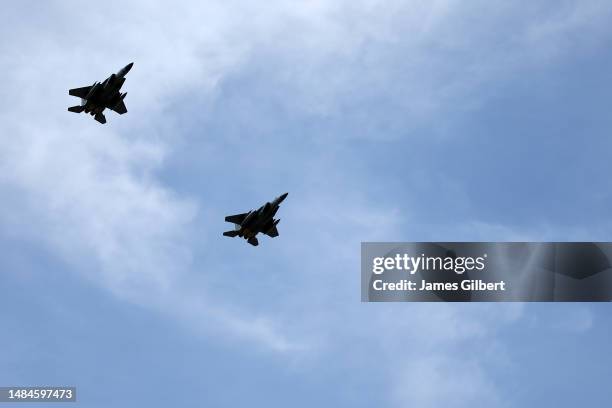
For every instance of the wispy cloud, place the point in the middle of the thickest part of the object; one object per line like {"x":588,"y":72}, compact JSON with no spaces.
{"x":445,"y":382}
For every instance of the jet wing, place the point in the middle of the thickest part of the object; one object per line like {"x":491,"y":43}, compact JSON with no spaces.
{"x":272,"y":232}
{"x":80,"y":92}
{"x":119,"y":107}
{"x":236,"y":219}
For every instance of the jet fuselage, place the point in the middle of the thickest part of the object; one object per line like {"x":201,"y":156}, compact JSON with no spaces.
{"x":260,"y":220}
{"x":101,"y":95}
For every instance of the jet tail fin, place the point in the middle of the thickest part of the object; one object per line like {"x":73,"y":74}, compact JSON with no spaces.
{"x":253,"y":241}
{"x":272,"y":232}
{"x":100,"y":118}
{"x":232,"y":233}
{"x":76,"y":109}
{"x":120,"y":106}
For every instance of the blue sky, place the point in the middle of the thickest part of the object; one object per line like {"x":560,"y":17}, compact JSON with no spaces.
{"x":395,"y":120}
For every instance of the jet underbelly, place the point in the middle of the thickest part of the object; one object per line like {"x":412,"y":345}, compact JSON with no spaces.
{"x":248,"y":233}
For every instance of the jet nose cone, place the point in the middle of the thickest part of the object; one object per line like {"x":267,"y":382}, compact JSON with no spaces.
{"x":282,"y":197}
{"x":123,"y":72}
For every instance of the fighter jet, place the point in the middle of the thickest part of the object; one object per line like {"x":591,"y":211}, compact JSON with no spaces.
{"x":248,"y":225}
{"x":102,"y":95}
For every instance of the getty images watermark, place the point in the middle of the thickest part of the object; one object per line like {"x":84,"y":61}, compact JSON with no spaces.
{"x":422,"y":263}
{"x":480,"y":271}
